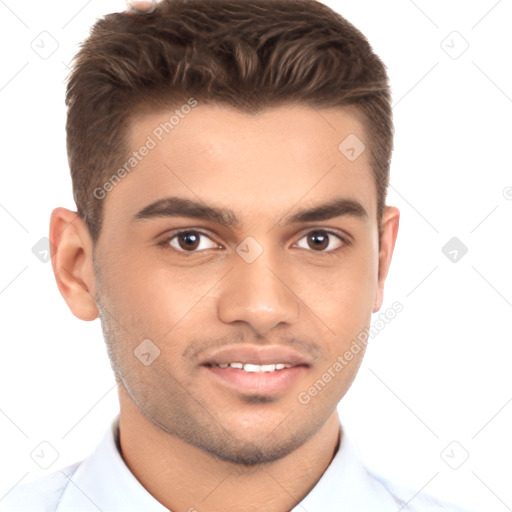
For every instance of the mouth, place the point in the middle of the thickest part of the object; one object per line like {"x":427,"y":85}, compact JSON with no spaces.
{"x":253,"y":368}
{"x":256,"y":369}
{"x":250,"y":378}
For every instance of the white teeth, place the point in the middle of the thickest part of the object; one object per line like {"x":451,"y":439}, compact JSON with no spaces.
{"x":248,"y":367}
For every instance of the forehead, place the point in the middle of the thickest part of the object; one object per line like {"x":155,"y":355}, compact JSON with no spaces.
{"x":261,"y":164}
{"x":226,"y":133}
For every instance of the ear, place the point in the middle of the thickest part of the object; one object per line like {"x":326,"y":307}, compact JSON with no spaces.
{"x":390,"y":221}
{"x":71,"y":252}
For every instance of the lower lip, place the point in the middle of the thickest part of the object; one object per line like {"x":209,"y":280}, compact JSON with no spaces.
{"x":274,"y":382}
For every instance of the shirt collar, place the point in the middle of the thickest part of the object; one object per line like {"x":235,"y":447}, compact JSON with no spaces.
{"x":103,"y":481}
{"x":347,"y":485}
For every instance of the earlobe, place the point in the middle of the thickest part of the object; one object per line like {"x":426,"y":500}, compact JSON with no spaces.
{"x":390,"y":222}
{"x":72,"y":262}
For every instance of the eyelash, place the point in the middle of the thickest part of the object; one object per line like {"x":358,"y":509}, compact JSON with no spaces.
{"x":165,"y":244}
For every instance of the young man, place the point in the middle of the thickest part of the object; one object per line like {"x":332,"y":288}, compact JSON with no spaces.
{"x":230,"y":161}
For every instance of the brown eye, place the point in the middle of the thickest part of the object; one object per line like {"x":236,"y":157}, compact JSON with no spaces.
{"x":190,"y":241}
{"x":319,"y":240}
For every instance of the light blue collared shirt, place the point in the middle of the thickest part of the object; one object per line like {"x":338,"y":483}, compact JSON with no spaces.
{"x":103,"y":482}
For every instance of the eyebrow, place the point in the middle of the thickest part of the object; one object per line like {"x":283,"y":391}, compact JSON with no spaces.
{"x":181,"y":207}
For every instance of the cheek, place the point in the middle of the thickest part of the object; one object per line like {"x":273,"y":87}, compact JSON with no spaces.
{"x":343,"y":294}
{"x":145,"y":291}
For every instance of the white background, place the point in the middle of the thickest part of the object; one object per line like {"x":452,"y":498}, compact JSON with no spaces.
{"x":438,"y":373}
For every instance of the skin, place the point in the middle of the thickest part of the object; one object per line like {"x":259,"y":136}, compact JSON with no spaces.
{"x":190,"y":441}
{"x":141,"y":6}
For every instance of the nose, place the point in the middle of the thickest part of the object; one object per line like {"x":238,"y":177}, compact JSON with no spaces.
{"x":259,"y":294}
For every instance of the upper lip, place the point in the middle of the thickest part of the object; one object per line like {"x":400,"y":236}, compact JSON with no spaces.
{"x":271,"y":354}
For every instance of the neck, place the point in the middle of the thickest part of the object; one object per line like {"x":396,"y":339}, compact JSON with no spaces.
{"x":185,"y":478}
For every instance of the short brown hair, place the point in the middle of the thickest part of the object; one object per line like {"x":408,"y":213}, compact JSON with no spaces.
{"x":248,"y":54}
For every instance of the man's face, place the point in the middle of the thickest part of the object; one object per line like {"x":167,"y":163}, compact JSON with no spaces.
{"x":265,"y":289}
